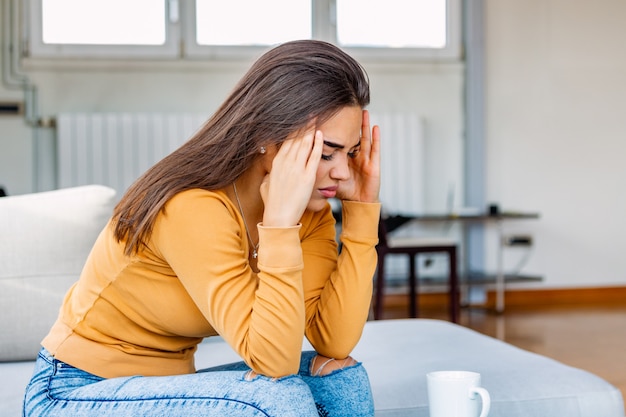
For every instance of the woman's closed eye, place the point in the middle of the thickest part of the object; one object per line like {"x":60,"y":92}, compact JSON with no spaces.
{"x":352,"y":154}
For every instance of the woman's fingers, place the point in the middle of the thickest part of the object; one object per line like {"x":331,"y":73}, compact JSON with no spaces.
{"x":366,"y":138}
{"x":365,"y":182}
{"x":375,"y":147}
{"x":297,"y":150}
{"x":315,"y":155}
{"x":290,"y":183}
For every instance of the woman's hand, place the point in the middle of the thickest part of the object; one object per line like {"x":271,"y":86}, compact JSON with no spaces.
{"x":287,"y":189}
{"x":364,"y":182}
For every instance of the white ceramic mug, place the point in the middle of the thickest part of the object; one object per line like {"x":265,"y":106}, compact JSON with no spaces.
{"x":456,"y":394}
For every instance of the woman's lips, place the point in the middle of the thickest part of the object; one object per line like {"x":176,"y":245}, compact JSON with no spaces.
{"x":328,"y":192}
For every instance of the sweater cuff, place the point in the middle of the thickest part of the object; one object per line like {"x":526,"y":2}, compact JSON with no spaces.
{"x":280,"y":247}
{"x":360,"y":219}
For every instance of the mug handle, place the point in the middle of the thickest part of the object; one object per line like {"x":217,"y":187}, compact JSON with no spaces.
{"x":484,"y":396}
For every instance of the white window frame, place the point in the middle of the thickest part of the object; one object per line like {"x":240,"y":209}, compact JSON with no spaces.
{"x":181,"y":39}
{"x":451,"y":52}
{"x":38,"y":49}
{"x":324,"y":28}
{"x":195,"y":51}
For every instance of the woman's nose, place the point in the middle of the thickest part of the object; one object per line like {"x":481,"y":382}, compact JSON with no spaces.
{"x":341,"y":170}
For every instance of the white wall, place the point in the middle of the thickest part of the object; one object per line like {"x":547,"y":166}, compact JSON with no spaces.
{"x":556,"y":132}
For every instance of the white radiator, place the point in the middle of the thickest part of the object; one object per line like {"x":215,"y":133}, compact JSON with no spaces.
{"x":114,"y":149}
{"x":402,"y":187}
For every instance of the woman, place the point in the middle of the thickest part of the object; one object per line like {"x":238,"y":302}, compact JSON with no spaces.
{"x":232,"y":235}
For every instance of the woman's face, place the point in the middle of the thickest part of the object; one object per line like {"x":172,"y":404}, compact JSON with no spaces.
{"x":342,"y":141}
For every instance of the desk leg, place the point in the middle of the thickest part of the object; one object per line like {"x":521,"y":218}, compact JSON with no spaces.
{"x":500,"y":271}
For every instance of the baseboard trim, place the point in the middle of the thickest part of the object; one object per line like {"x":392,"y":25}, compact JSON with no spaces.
{"x":425,"y":301}
{"x":533,"y":298}
{"x":560,"y":296}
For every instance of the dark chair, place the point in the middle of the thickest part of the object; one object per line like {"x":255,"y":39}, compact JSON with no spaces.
{"x":412,"y":246}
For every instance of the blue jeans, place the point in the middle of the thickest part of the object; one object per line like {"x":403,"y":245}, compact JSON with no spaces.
{"x":58,"y":389}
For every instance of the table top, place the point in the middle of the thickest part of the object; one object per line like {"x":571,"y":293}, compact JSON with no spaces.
{"x":504,"y":215}
{"x":395,"y":221}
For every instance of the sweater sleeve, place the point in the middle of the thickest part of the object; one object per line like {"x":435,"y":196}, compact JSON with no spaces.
{"x":203,"y":239}
{"x":338,"y":289}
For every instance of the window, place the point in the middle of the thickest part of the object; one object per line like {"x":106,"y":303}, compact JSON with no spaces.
{"x":392,"y":23}
{"x":236,"y":28}
{"x":103,"y":28}
{"x":89,"y":23}
{"x":239,"y":28}
{"x":262,"y":23}
{"x":400,"y":28}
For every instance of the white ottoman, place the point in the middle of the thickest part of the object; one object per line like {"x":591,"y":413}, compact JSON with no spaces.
{"x":399,"y":353}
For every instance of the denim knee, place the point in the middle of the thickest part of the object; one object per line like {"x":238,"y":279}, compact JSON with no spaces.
{"x":343,"y":392}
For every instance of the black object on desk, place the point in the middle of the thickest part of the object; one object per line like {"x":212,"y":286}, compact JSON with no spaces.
{"x":395,"y":221}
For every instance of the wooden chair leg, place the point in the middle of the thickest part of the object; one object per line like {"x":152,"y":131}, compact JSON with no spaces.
{"x":380,"y":284}
{"x":453,"y":286}
{"x":412,"y":287}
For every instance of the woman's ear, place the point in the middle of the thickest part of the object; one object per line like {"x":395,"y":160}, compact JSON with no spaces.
{"x":267,"y":154}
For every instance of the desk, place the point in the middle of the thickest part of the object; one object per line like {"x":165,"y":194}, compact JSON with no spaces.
{"x":498,"y":219}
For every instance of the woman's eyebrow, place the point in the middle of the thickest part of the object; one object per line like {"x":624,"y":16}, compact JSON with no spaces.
{"x":338,"y":146}
{"x":333,"y":145}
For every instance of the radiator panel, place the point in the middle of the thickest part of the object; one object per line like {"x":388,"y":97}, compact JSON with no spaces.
{"x":114,"y":149}
{"x":402,"y":162}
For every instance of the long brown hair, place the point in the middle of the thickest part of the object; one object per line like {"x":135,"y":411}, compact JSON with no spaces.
{"x":283,"y":91}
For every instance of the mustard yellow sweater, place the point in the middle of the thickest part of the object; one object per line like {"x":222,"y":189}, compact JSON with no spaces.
{"x":145,"y":314}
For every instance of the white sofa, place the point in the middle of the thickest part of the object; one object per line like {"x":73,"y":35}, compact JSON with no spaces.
{"x":45,"y":238}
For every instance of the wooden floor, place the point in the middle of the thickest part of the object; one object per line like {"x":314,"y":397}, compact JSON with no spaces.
{"x":586,"y":336}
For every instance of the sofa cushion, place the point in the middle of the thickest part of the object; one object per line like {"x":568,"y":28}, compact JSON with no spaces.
{"x":44,"y":241}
